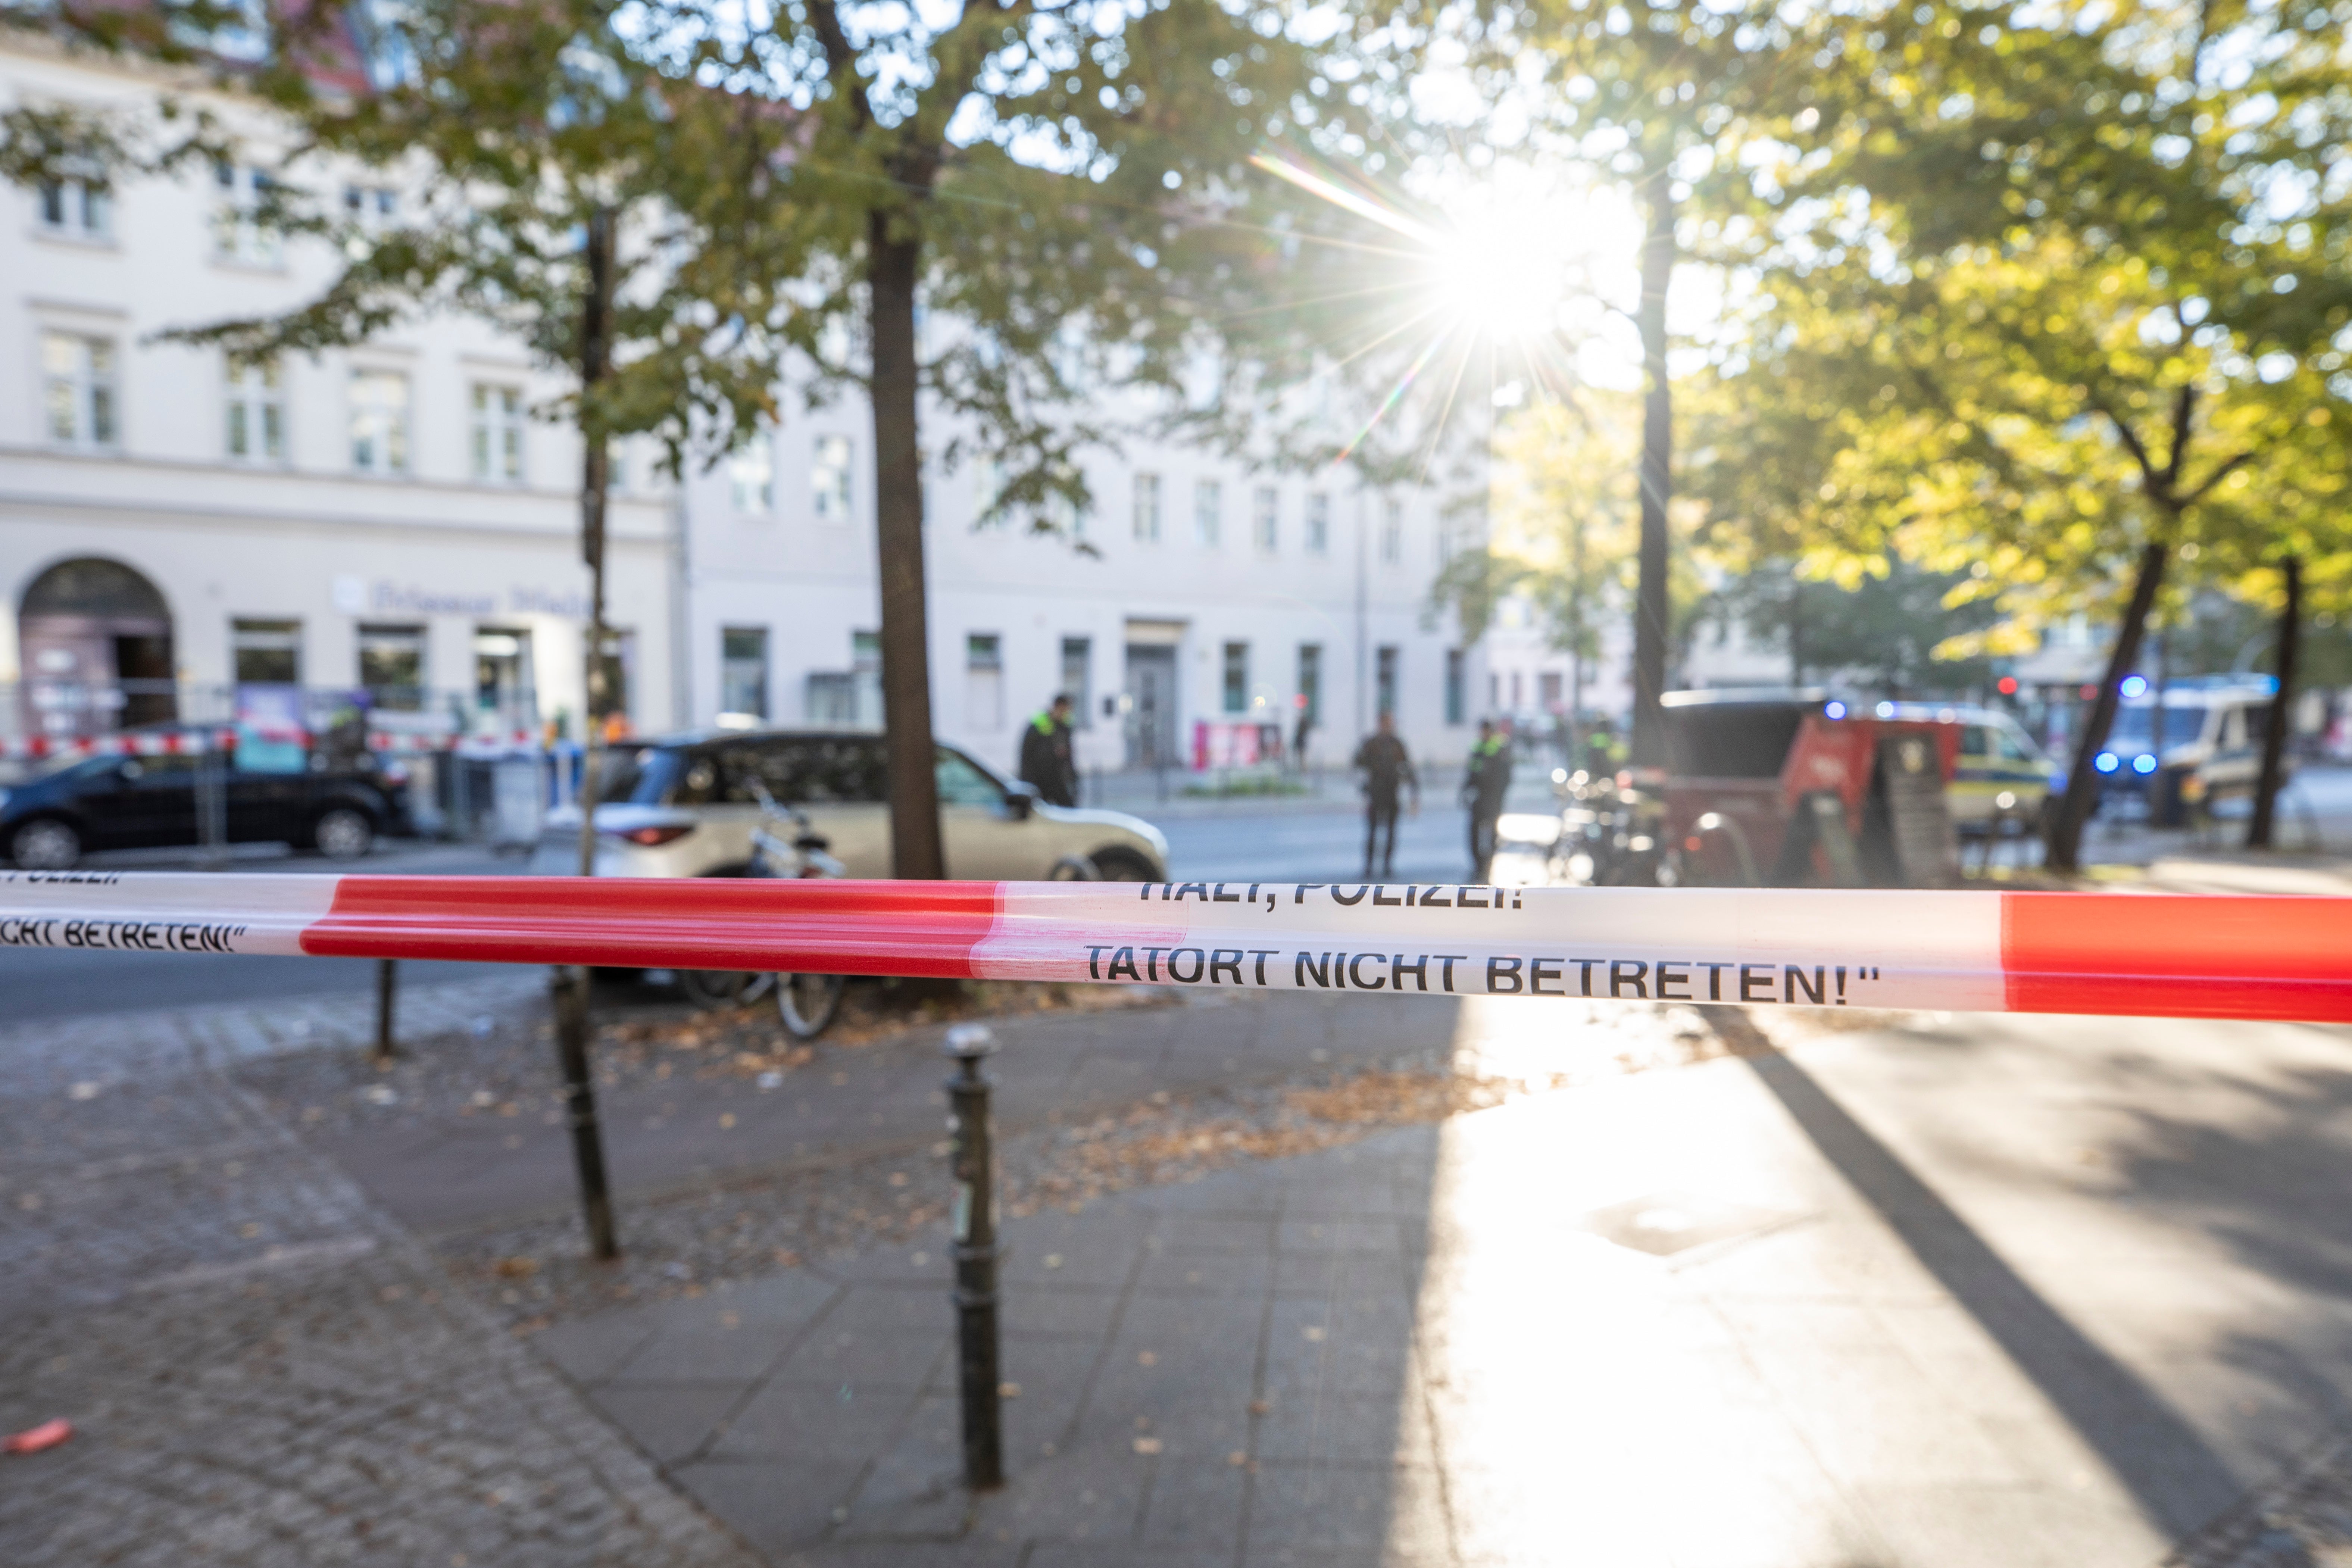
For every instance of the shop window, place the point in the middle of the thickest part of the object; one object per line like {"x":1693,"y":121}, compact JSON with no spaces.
{"x":267,"y":653}
{"x":1457,"y":692}
{"x":1236,"y":676}
{"x":1385,"y":665}
{"x":391,"y":666}
{"x":743,"y":672}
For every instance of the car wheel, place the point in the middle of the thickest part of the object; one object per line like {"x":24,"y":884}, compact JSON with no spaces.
{"x":807,"y":1003}
{"x":343,"y":834}
{"x":1123,"y":866}
{"x":1074,"y":869}
{"x":47,"y":845}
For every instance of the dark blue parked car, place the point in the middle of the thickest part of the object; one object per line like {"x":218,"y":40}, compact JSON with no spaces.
{"x":50,"y":822}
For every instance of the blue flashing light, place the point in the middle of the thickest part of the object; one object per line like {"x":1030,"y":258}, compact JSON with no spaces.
{"x":1834,"y":710}
{"x":2144,"y":763}
{"x":1887,"y":709}
{"x":2106,"y":761}
{"x":2134,"y":685}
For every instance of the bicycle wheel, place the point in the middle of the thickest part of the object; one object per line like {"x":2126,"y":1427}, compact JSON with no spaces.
{"x":708,"y":990}
{"x":807,"y":1003}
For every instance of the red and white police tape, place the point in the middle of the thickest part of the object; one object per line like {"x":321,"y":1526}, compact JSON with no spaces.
{"x":2175,"y":956}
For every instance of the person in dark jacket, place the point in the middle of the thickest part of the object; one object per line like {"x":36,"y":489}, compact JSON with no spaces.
{"x":1484,"y":785}
{"x":1046,"y":759}
{"x":1387,"y":768}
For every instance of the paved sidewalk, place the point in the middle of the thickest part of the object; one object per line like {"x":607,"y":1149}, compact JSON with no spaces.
{"x":261,"y":1368}
{"x":2001,"y":1291}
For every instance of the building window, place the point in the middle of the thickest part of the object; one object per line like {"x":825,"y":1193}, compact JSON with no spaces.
{"x":1077,"y":678}
{"x":743,"y":672}
{"x":1236,"y":676}
{"x":1208,"y":512}
{"x":1319,"y":524}
{"x":77,"y":390}
{"x":257,"y":412}
{"x":829,"y":480}
{"x":1457,"y":695}
{"x":1391,"y":533}
{"x":268,"y":653}
{"x":502,"y":675}
{"x":752,"y":475}
{"x":371,"y":207}
{"x":1266,"y":519}
{"x":1311,"y":681}
{"x":241,"y":229}
{"x":379,"y":421}
{"x":1384,"y":679}
{"x":1550,"y":683}
{"x":984,"y":674}
{"x":391,"y":666}
{"x":1147,"y":509}
{"x":498,"y":434}
{"x":77,"y":209}
{"x":608,"y":692}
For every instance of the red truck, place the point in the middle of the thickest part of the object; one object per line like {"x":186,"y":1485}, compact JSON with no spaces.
{"x":1786,"y":789}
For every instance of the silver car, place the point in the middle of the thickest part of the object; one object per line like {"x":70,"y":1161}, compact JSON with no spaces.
{"x":686,"y":806}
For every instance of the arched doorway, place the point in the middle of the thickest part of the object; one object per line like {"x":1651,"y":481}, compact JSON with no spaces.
{"x":95,"y":641}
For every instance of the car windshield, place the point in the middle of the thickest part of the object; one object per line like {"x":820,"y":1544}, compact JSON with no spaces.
{"x":2137,"y":726}
{"x":637,"y":778}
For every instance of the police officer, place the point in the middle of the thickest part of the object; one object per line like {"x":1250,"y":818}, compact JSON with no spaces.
{"x":1386,"y":766}
{"x":1485,"y":782}
{"x":1045,"y":760}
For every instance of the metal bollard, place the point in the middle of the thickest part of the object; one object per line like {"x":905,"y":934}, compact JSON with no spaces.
{"x":580,"y":1109}
{"x":385,"y":972}
{"x":975,"y":1258}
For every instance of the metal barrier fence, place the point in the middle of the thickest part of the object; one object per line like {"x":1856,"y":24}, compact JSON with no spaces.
{"x":1971,"y":951}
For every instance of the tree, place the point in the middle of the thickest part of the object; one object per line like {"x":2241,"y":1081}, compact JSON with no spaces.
{"x":2080,"y":262}
{"x":1666,"y":97}
{"x":1040,"y":220}
{"x":608,"y":217}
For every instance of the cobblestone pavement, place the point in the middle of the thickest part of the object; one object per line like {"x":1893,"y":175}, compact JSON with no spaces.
{"x":2303,"y":1520}
{"x":261,"y":1367}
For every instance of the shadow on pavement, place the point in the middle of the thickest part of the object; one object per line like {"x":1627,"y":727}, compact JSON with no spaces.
{"x":2178,"y":1481}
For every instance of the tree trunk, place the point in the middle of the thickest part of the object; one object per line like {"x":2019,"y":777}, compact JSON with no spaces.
{"x":572,"y":983}
{"x":893,"y":262}
{"x":2290,"y":633}
{"x":2064,"y":844}
{"x":1650,"y":608}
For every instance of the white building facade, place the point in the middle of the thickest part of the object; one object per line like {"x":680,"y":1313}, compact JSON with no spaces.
{"x":392,"y":520}
{"x":1208,"y":610}
{"x":388,"y":520}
